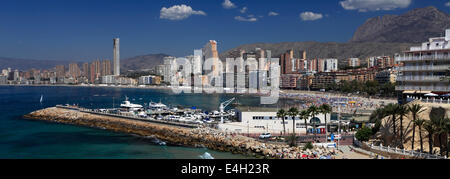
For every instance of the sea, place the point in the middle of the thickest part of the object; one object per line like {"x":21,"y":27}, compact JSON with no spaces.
{"x":31,"y":139}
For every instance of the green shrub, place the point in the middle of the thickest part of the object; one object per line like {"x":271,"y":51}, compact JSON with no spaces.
{"x":364,"y":134}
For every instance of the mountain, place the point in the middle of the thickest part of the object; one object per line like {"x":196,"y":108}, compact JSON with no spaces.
{"x":415,"y":26}
{"x":143,"y":62}
{"x":26,"y":64}
{"x":324,"y":49}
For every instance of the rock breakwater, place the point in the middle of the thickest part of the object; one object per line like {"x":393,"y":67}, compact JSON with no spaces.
{"x":174,"y":135}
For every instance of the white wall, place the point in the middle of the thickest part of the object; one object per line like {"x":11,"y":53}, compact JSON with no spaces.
{"x":274,"y":125}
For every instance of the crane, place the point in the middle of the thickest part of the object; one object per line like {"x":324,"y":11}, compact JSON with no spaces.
{"x":223,"y":106}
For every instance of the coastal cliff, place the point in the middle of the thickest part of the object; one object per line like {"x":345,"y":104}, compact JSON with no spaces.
{"x":174,"y":135}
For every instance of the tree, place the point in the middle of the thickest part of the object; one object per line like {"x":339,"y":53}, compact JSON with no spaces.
{"x":428,"y":126}
{"x":314,"y":111}
{"x":282,"y":114}
{"x":293,"y":112}
{"x":305,"y":115}
{"x":326,"y":109}
{"x":415,"y":110}
{"x":419,"y":123}
{"x":363,"y":134}
{"x":402,"y":111}
{"x":392,"y":109}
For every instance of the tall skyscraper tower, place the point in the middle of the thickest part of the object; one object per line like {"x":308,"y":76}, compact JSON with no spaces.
{"x":116,"y":57}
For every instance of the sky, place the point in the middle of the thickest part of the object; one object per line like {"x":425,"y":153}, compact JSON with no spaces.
{"x":82,"y":30}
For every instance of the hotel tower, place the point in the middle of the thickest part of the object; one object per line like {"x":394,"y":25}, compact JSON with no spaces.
{"x":425,"y":68}
{"x":116,"y":57}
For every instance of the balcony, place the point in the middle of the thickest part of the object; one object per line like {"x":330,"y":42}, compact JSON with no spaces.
{"x":425,"y":68}
{"x":422,"y":88}
{"x":422,"y":58}
{"x":421,"y":78}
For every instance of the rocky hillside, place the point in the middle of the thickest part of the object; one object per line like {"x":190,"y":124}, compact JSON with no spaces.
{"x":26,"y":64}
{"x":140,"y":63}
{"x":415,"y":26}
{"x":324,"y":50}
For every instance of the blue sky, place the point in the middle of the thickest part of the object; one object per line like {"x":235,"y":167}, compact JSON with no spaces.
{"x":82,"y":30}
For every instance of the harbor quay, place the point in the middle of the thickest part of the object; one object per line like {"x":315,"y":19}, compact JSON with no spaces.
{"x":175,"y":133}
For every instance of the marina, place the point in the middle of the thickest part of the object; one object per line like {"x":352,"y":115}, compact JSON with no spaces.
{"x":161,"y":113}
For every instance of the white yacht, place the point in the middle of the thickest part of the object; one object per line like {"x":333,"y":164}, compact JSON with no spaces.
{"x":157,"y":106}
{"x":129,"y":107}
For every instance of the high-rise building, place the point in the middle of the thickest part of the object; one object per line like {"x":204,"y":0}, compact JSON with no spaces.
{"x":106,"y":68}
{"x":74,"y":70}
{"x":116,"y":57}
{"x":425,"y":68}
{"x":354,"y":62}
{"x":210,"y":52}
{"x":85,"y":70}
{"x":60,"y":71}
{"x":95,"y":70}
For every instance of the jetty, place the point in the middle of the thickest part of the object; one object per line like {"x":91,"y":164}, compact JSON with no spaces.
{"x":176,"y":133}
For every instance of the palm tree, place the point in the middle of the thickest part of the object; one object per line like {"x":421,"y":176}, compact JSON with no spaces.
{"x":429,"y":127}
{"x":325,"y":109}
{"x":419,"y":123}
{"x":305,"y":116}
{"x":282,"y":114}
{"x":415,"y":110}
{"x":402,"y":111}
{"x":293,"y":112}
{"x":313,"y":112}
{"x":392,"y":109}
{"x":440,"y":125}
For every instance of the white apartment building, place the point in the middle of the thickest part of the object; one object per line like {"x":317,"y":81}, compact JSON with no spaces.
{"x":354,"y":62}
{"x":425,"y":67}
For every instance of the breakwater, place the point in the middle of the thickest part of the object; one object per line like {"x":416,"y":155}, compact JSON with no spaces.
{"x":177,"y":135}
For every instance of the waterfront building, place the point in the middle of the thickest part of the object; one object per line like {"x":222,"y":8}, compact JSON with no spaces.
{"x":425,"y":68}
{"x":16,"y":76}
{"x":3,"y":79}
{"x":146,"y":80}
{"x":159,"y":70}
{"x":116,"y":56}
{"x":5,"y":72}
{"x":109,"y":79}
{"x":257,"y":121}
{"x":169,"y":69}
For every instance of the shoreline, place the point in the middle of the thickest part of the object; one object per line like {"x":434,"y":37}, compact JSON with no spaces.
{"x":181,"y":136}
{"x":152,"y":87}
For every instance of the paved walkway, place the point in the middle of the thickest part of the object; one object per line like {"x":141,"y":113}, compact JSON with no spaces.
{"x":349,"y":154}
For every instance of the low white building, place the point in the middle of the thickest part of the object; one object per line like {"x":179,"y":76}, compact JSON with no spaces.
{"x":256,"y":122}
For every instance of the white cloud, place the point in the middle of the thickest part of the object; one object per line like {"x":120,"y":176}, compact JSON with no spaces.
{"x":374,"y":5}
{"x":250,"y":18}
{"x":273,"y":14}
{"x":447,"y":4}
{"x":227,"y":4}
{"x":244,"y":10}
{"x":310,"y":16}
{"x":179,"y":12}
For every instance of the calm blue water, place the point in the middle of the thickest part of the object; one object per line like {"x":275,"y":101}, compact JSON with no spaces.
{"x":22,"y":138}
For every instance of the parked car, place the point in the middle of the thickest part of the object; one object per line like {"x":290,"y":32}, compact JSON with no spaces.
{"x":265,"y":136}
